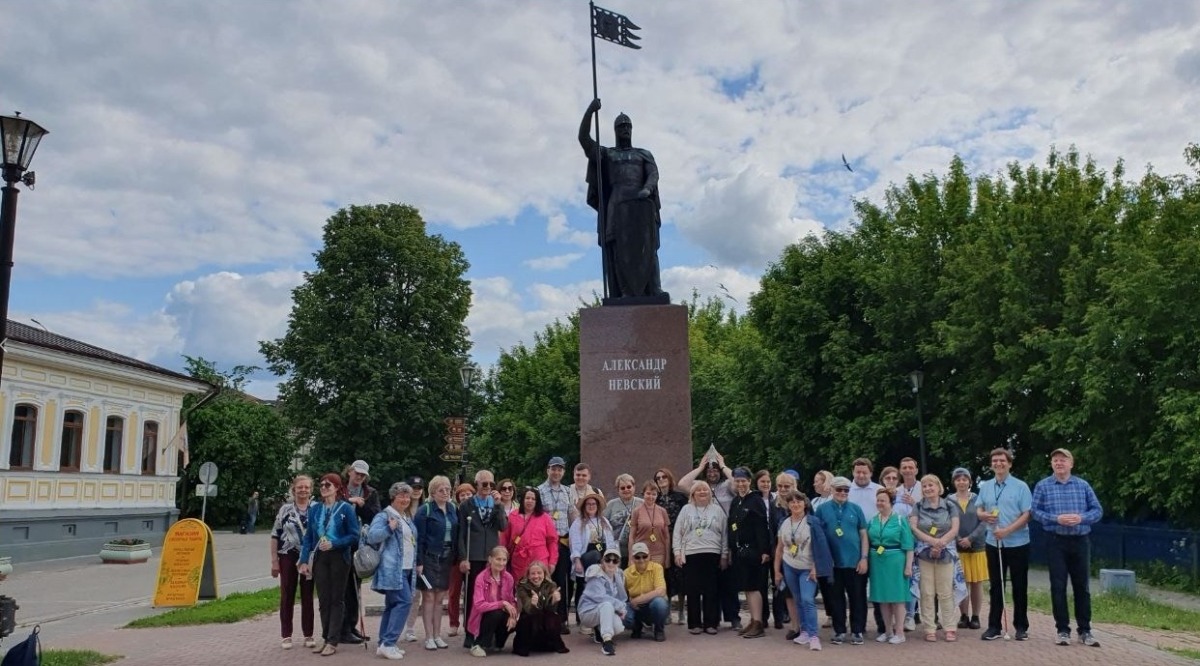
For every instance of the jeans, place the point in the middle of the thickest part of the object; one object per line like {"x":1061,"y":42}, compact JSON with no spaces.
{"x":805,"y":593}
{"x":603,"y":617}
{"x":396,"y":604}
{"x":1069,"y":557}
{"x":493,"y":630}
{"x":1016,"y":565}
{"x":850,"y":585}
{"x":653,"y":612}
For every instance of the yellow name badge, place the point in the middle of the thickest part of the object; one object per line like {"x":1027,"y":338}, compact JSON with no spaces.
{"x":733,"y":527}
{"x":699,"y":531}
{"x":793,"y":549}
{"x":516,"y":540}
{"x":933,"y":531}
{"x":654,"y":537}
{"x":839,"y":532}
{"x":879,"y":550}
{"x":996,"y":511}
{"x":556,"y":515}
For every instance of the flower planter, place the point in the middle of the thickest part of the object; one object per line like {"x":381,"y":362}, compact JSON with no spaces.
{"x":119,"y":553}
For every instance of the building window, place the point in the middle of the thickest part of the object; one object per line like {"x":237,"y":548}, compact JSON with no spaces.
{"x":71,"y":448}
{"x":24,"y":434}
{"x":149,"y":447}
{"x":114,"y":429}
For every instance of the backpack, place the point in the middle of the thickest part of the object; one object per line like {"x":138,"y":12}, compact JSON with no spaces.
{"x":26,"y":653}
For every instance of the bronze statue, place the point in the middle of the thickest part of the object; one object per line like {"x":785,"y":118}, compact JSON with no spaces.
{"x":627,"y":205}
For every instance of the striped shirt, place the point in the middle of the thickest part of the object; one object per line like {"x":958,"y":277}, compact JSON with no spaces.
{"x":1052,"y":498}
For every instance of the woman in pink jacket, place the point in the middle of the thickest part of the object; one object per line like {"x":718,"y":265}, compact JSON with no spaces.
{"x":530,"y":536}
{"x":493,"y":606}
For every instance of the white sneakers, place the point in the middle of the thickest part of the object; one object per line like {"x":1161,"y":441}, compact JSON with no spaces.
{"x":430,"y":644}
{"x":909,"y":624}
{"x":410,"y":636}
{"x":389,"y":652}
{"x":477,"y":651}
{"x":442,"y":645}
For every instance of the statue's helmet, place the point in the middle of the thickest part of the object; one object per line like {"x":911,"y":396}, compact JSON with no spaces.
{"x":622,"y":119}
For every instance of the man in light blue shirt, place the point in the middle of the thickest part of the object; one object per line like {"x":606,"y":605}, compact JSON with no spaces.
{"x":1004,"y":504}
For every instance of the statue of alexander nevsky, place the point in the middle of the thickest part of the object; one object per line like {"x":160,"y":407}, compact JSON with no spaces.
{"x":625,"y":197}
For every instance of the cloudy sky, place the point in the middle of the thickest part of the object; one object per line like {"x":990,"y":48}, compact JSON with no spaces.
{"x":197,"y":148}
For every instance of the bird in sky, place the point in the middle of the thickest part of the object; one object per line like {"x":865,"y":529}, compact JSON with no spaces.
{"x":846,"y":164}
{"x":728,"y":295}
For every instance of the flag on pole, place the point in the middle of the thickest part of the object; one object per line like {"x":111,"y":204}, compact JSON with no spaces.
{"x":180,"y":440}
{"x":612,"y":27}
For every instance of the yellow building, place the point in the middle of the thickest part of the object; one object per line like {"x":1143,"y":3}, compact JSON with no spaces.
{"x":90,"y":453}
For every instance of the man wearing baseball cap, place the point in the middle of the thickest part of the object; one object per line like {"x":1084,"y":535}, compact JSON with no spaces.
{"x":1067,"y":507}
{"x":846,"y":530}
{"x":365,"y":501}
{"x":646,"y":586}
{"x":556,"y":501}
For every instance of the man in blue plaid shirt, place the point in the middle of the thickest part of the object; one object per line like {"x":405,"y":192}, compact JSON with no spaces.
{"x":1067,"y":507}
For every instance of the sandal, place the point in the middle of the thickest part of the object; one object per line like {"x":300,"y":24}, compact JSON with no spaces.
{"x":930,"y":638}
{"x":951,"y":636}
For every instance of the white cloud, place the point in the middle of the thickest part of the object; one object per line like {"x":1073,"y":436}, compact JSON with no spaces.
{"x":558,"y":231}
{"x":557,"y":262}
{"x":729,"y":284}
{"x":503,"y":315}
{"x":747,"y":220}
{"x":224,"y":315}
{"x":150,"y":337}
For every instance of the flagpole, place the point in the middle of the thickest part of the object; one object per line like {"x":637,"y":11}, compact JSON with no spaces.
{"x":600,"y":210}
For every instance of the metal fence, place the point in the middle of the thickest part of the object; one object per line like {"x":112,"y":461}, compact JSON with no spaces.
{"x":1136,"y":547}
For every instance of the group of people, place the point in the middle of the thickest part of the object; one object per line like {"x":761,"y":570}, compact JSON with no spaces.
{"x":522,"y":557}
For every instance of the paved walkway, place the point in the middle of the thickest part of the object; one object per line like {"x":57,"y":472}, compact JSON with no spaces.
{"x":81,"y":603}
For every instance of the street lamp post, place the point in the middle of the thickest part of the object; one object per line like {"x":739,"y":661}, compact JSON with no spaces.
{"x":467,"y":374}
{"x":19,"y":138}
{"x":917,"y":379}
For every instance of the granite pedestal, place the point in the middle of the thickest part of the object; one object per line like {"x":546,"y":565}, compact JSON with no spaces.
{"x":635,"y":404}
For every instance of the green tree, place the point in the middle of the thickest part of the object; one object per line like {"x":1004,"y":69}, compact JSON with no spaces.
{"x":246,"y":438}
{"x":531,"y":405}
{"x":374,"y":343}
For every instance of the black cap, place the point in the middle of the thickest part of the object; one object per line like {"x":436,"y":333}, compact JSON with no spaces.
{"x":415,"y":482}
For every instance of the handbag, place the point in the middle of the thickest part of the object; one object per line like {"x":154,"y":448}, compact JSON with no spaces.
{"x":366,"y":558}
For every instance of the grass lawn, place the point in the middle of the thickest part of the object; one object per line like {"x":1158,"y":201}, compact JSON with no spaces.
{"x":1135,"y":611}
{"x":1184,"y":652}
{"x":76,"y":658}
{"x":226,"y":610}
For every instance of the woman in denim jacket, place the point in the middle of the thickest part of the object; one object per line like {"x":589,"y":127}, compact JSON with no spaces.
{"x":393,"y":532}
{"x":325,"y":554}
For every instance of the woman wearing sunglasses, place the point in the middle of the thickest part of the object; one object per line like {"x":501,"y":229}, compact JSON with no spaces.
{"x":618,"y":512}
{"x":604,"y":602}
{"x":325,"y":553}
{"x":508,"y":501}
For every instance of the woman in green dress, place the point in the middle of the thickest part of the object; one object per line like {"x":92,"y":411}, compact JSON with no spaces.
{"x":891,"y":560}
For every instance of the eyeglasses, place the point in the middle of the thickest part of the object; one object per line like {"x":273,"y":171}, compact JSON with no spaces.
{"x":642,"y":556}
{"x":660,"y":477}
{"x":612,"y":559}
{"x":506,"y":489}
{"x":486,"y":484}
{"x":841,"y":490}
{"x":625,"y":488}
{"x":326,"y":484}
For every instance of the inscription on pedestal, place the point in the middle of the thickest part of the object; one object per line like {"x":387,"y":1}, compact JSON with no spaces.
{"x":635,"y":406}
